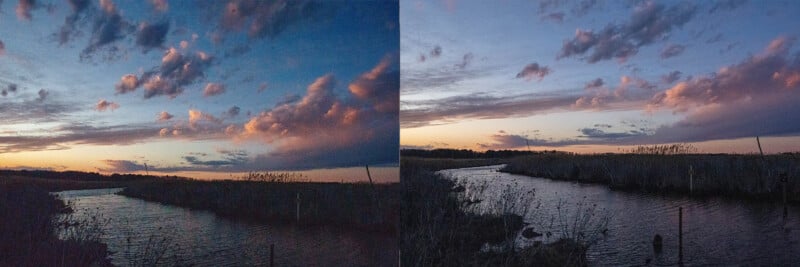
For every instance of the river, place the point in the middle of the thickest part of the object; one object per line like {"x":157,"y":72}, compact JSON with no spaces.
{"x":716,"y":231}
{"x":136,"y":231}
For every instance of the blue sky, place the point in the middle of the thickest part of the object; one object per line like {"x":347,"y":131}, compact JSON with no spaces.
{"x":598,"y":76}
{"x":198,"y":86}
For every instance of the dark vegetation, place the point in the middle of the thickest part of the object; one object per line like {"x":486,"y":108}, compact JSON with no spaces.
{"x":73,"y":180}
{"x":465,"y":153}
{"x":38,"y":229}
{"x":668,"y":168}
{"x":29,"y":225}
{"x":272,"y":198}
{"x":436,"y":229}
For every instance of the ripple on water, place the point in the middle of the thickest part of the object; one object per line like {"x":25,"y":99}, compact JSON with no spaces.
{"x":201,"y":238}
{"x":717,"y":231}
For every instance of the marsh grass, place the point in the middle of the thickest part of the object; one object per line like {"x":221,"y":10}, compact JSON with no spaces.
{"x":738,"y":175}
{"x":272,"y":198}
{"x":155,"y":249}
{"x":30,"y":222}
{"x":445,"y":223}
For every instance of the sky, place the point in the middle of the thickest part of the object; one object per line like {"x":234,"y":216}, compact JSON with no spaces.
{"x":206,"y":88}
{"x":600,"y":76}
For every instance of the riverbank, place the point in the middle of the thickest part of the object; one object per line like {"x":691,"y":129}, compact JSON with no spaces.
{"x":29,"y":226}
{"x":732,"y":175}
{"x":371,"y":208}
{"x":438,"y":231}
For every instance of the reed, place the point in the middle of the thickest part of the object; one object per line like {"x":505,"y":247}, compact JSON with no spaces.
{"x":30,"y":222}
{"x":272,"y":198}
{"x":441,"y":227}
{"x":736,"y":175}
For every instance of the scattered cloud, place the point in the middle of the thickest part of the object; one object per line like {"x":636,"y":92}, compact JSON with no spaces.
{"x":160,"y":5}
{"x":773,"y":72}
{"x":268,"y":19}
{"x":127,"y":83}
{"x":232,"y":112}
{"x":164,"y":116}
{"x":196,"y":117}
{"x":671,"y":77}
{"x":75,"y":134}
{"x":122,"y":166}
{"x":213,"y":89}
{"x":649,"y":22}
{"x":726,"y":5}
{"x":104,"y":105}
{"x":24,"y":8}
{"x":533,"y":70}
{"x":583,"y":7}
{"x":70,"y":29}
{"x":672,"y":50}
{"x":481,"y":106}
{"x":596,"y":83}
{"x":465,"y":61}
{"x":176,"y":71}
{"x":42,"y":95}
{"x":151,"y":35}
{"x":554,"y":17}
{"x":108,"y":27}
{"x":436,"y":51}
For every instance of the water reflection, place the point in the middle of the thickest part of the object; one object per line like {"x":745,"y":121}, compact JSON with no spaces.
{"x":135,"y":230}
{"x":716,"y":231}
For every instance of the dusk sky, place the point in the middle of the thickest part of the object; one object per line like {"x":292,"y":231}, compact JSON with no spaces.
{"x":600,"y":76}
{"x":203,"y":88}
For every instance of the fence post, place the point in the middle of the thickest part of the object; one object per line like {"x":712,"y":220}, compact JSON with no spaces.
{"x":691,"y":179}
{"x":680,"y":235}
{"x":298,"y":207}
{"x":272,"y":255}
{"x":785,"y":181}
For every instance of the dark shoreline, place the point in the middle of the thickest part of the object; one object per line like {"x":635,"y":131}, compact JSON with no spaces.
{"x":741,"y":177}
{"x":437,"y":231}
{"x":345,"y":206}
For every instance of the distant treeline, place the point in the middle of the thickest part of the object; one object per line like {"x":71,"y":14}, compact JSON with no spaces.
{"x":468,"y":154}
{"x":81,"y":176}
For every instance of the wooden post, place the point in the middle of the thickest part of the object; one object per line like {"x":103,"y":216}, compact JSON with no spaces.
{"x":399,"y":258}
{"x":370,"y":178}
{"x":298,"y":207}
{"x":680,"y":235}
{"x":785,"y":181}
{"x":272,"y":255}
{"x":691,"y":179}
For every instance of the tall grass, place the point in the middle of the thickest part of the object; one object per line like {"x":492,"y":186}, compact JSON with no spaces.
{"x":442,"y":226}
{"x":274,"y":200}
{"x":712,"y":174}
{"x":29,"y":227}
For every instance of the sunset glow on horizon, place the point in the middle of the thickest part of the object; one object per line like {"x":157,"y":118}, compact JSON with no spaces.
{"x":206,"y":89}
{"x":600,"y":76}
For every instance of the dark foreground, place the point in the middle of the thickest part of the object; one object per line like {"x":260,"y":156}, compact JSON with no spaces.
{"x":437,"y":231}
{"x":29,"y":229}
{"x":31,"y":219}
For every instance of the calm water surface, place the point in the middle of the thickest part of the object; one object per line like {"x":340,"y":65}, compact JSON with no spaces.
{"x":201,"y":238}
{"x":716,"y":231}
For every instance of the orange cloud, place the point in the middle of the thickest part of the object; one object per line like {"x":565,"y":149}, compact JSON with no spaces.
{"x":104,"y":105}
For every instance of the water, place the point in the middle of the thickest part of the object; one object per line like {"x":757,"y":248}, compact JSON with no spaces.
{"x":716,"y":231}
{"x":201,"y":238}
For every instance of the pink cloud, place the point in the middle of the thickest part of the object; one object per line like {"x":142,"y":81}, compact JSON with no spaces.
{"x":213,"y":89}
{"x":164,"y":116}
{"x":104,"y":105}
